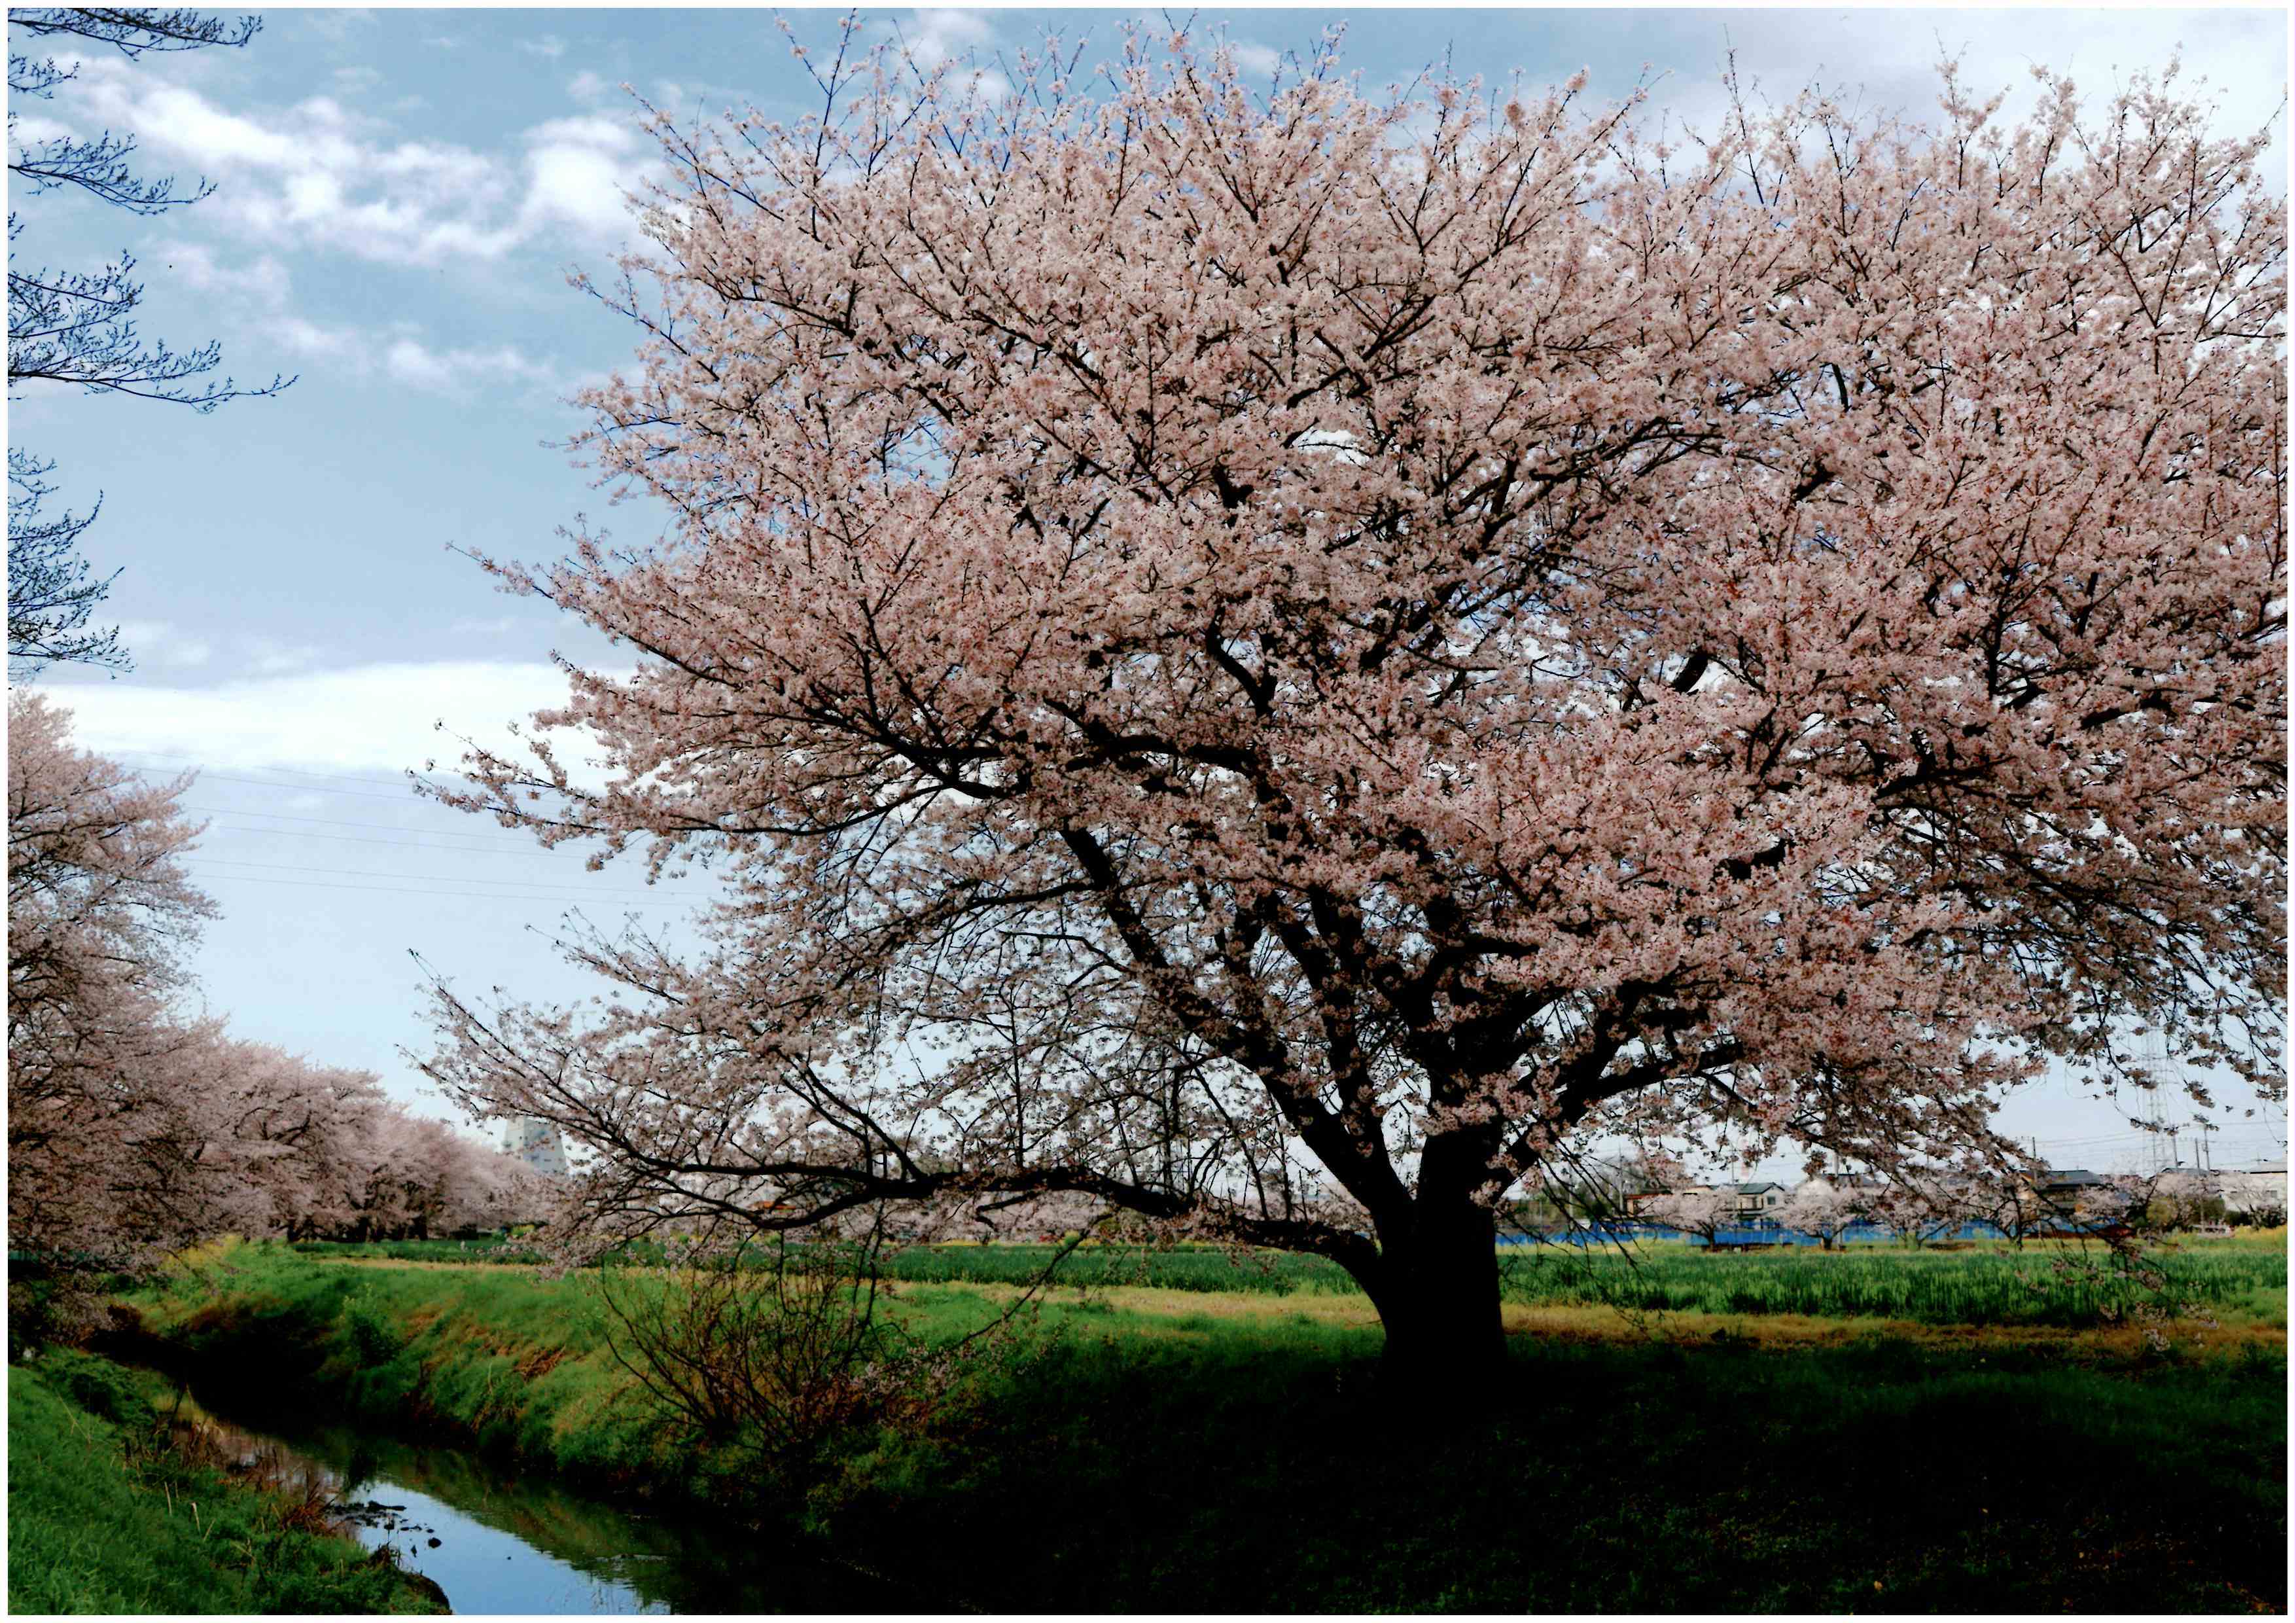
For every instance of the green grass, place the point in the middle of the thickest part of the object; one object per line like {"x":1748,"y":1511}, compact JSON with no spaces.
{"x":2040,"y":1284}
{"x":495,"y":1357}
{"x":1175,"y":1268}
{"x":1252,"y":1468}
{"x":1877,"y":1476}
{"x":1225,"y":1461}
{"x":102,"y":1519}
{"x":488,"y":1249}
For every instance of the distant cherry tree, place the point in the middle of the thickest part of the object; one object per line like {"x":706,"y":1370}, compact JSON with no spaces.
{"x":1699,"y":1213}
{"x":1919,"y":1204}
{"x":1221,"y":637}
{"x":1824,"y":1210}
{"x":137,"y":1127}
{"x":101,"y":913}
{"x":302,"y":1151}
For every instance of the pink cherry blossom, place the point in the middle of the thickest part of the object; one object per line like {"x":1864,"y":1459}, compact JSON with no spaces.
{"x":1273,"y":660}
{"x":134,"y":1128}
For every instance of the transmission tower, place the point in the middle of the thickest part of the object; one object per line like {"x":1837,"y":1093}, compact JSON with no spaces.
{"x":2158,"y":1073}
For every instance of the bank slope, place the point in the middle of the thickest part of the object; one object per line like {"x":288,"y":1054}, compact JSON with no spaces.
{"x":90,"y":1531}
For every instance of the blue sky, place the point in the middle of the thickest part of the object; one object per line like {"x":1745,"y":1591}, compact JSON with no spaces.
{"x":399,"y":195}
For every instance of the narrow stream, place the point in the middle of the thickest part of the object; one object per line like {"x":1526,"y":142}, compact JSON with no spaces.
{"x":496,"y":1541}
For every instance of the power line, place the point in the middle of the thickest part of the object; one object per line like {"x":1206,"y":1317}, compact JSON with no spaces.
{"x":410,"y":845}
{"x":332,"y":777}
{"x":226,"y":778}
{"x":320,"y":884}
{"x":228,"y":811}
{"x":445,"y":879}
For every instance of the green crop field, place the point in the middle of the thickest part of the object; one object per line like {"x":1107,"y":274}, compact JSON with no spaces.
{"x":2037,"y":1285}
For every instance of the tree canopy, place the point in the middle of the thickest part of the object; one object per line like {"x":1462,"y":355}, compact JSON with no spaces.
{"x":1282,"y":660}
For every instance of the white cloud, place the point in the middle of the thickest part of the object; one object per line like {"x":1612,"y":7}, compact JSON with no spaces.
{"x":404,"y":357}
{"x":31,"y":129}
{"x":270,"y":657}
{"x":370,"y":718}
{"x":162,"y":645}
{"x":1885,"y":59}
{"x":326,"y":343}
{"x":546,"y":46}
{"x":1256,"y":60}
{"x":577,"y":171}
{"x":317,"y":175}
{"x":456,"y":371}
{"x":320,"y":175}
{"x":587,"y":86}
{"x":262,"y":281}
{"x":934,"y":37}
{"x":357,"y":78}
{"x":156,"y":643}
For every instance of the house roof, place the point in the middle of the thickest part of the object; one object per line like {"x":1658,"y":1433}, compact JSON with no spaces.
{"x":2068,"y":1177}
{"x":1754,"y":1188}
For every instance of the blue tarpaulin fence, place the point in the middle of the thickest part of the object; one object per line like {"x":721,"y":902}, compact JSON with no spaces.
{"x":1746,"y":1234}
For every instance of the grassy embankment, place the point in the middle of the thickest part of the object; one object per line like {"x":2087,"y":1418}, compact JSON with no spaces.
{"x":1201,"y":1450}
{"x":104,"y":1515}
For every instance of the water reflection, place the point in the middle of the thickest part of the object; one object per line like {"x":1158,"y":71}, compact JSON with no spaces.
{"x":496,"y":1541}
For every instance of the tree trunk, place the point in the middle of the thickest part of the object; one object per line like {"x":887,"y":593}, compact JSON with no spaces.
{"x":1437,"y":1296}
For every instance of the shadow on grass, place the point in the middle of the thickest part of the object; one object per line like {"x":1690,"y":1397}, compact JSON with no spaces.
{"x":1242,"y":1472}
{"x":1246,"y":1463}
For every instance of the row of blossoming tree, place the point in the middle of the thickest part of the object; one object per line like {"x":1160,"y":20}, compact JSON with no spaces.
{"x":136,"y":1129}
{"x":1278,"y":659}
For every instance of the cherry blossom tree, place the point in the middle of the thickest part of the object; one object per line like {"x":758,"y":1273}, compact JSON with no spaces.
{"x":281,"y":1135}
{"x":485,"y":1190}
{"x":135,"y":1130}
{"x":1823,"y":1210}
{"x":1701,"y":1212}
{"x":1217,"y":636}
{"x":404,"y":1175}
{"x":102,"y":1163}
{"x":1918,"y":1204}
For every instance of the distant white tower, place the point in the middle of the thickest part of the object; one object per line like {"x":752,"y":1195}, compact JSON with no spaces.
{"x":2152,"y":1058}
{"x":536,"y":1143}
